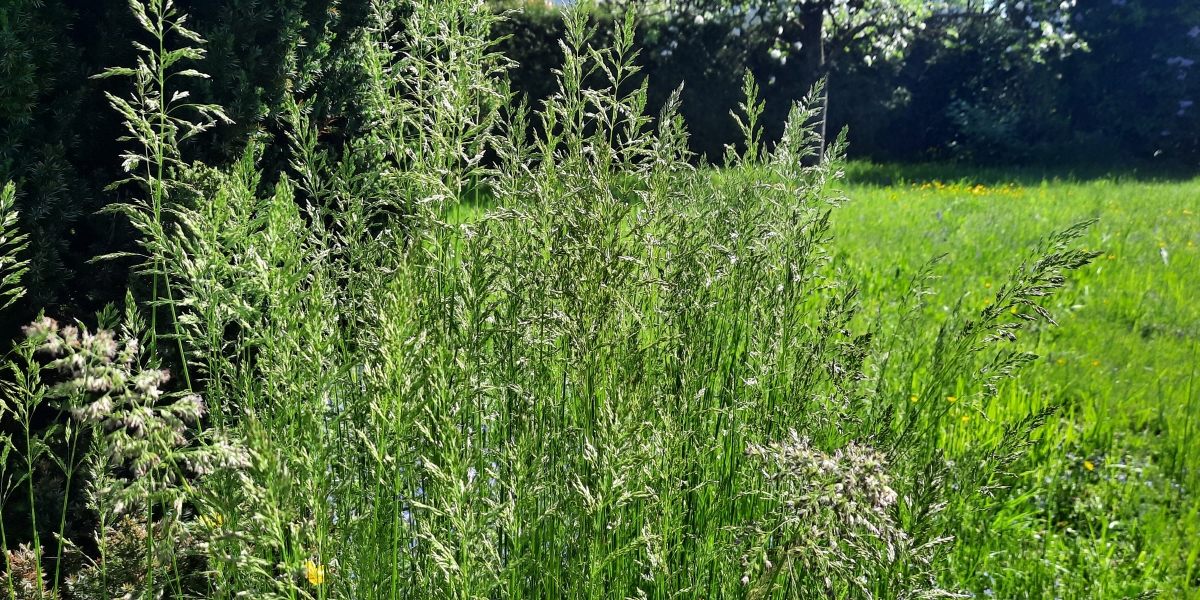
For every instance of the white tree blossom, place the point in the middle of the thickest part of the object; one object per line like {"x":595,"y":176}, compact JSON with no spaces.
{"x":878,"y":29}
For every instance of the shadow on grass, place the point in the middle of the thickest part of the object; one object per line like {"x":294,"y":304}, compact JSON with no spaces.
{"x":872,"y":174}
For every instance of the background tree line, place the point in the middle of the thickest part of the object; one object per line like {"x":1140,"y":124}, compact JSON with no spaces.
{"x":993,"y":83}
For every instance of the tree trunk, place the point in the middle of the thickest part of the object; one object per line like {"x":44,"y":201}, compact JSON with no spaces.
{"x":812,"y":24}
{"x":824,"y":107}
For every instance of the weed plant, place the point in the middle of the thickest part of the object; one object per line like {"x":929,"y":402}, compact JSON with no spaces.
{"x":626,"y":378}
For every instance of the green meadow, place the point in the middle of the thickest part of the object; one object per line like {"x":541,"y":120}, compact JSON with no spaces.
{"x":1105,"y":504}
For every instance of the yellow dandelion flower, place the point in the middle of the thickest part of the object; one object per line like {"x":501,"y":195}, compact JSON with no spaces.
{"x":1062,"y":361}
{"x":1095,"y":363}
{"x":314,"y":572}
{"x":914,"y":398}
{"x":988,"y":284}
{"x":951,"y":399}
{"x":1014,"y":310}
{"x":965,"y":418}
{"x":1112,"y":257}
{"x":1087,"y":464}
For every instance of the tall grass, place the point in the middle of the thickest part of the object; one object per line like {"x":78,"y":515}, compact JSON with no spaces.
{"x":626,"y":378}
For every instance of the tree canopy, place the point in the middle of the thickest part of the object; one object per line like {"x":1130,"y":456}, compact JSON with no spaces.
{"x":822,"y":30}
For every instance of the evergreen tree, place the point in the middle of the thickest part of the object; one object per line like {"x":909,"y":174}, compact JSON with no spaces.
{"x":56,"y":131}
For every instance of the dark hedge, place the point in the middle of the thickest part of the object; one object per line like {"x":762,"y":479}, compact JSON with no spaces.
{"x":971,"y":101}
{"x":58,"y":135}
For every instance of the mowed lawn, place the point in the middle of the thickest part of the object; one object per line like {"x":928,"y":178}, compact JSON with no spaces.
{"x":1105,"y":505}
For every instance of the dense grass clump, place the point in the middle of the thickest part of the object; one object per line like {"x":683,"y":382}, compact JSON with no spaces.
{"x":624,"y":378}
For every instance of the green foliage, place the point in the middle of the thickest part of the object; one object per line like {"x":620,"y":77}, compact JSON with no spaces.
{"x":1124,"y":101}
{"x":39,"y":101}
{"x":622,"y":376}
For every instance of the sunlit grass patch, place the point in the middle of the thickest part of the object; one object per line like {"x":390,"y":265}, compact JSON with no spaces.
{"x":1106,"y":505}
